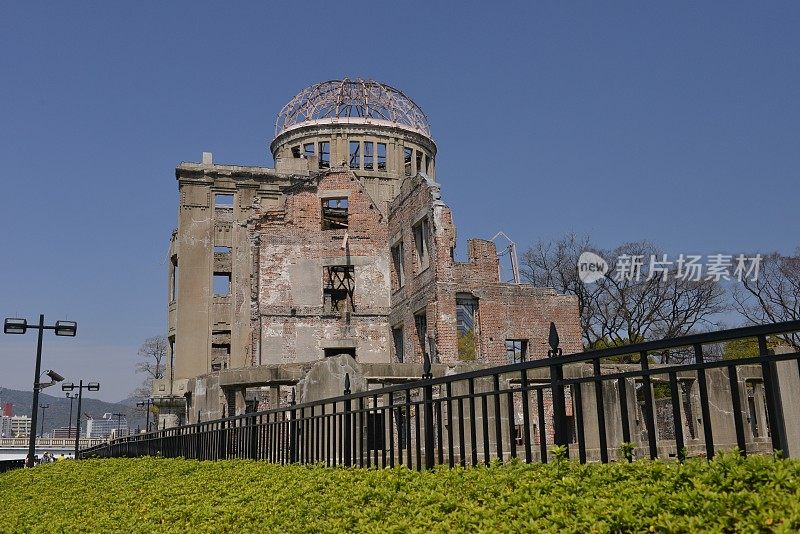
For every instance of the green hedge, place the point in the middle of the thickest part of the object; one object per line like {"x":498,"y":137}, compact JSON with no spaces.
{"x":149,"y":494}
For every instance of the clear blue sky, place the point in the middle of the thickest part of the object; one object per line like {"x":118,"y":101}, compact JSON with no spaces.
{"x":675,"y":122}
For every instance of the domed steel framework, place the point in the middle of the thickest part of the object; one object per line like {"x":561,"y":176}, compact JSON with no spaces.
{"x":352,"y":101}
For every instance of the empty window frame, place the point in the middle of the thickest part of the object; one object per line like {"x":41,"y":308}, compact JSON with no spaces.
{"x":173,"y":284}
{"x":296,"y":152}
{"x":421,"y":244}
{"x":419,"y":162}
{"x":427,"y":164}
{"x":338,"y":287}
{"x":308,"y":150}
{"x":355,"y":154}
{"x":408,"y":153}
{"x":516,"y":350}
{"x":222,"y":284}
{"x":399,"y":278}
{"x":369,"y":154}
{"x":220,"y":356}
{"x":334,"y":213}
{"x":324,"y":155}
{"x":218,"y":249}
{"x":397,"y":336}
{"x":421,"y":324}
{"x":223,"y":200}
{"x":381,"y":156}
{"x":466,"y":315}
{"x":330,"y":352}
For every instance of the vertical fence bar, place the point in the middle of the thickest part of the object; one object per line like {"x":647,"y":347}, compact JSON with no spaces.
{"x":773,"y":397}
{"x":649,"y":416}
{"x":473,"y":433}
{"x":391,"y":428}
{"x":408,"y":428}
{"x":450,"y":447}
{"x":708,"y":433}
{"x":512,"y":438}
{"x":577,"y":407}
{"x":733,"y":379}
{"x":427,"y":394}
{"x":622,"y":384}
{"x":347,"y":433}
{"x":526,"y":416}
{"x":498,"y":428}
{"x":677,"y":421}
{"x":485,"y":420}
{"x":601,"y":410}
{"x":542,"y":427}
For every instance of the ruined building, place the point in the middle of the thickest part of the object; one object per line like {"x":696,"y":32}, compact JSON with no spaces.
{"x":344,"y":247}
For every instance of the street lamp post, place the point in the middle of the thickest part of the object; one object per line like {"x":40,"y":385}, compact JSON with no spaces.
{"x":71,"y":397}
{"x":91,"y":386}
{"x":43,"y":407}
{"x":148,"y":403}
{"x":20,"y":326}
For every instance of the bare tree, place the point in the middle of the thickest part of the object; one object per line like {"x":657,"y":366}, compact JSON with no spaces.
{"x":773,"y":295}
{"x":618,"y":310}
{"x":153,"y":356}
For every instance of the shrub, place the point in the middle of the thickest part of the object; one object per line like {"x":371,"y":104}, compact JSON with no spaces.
{"x":729,"y":494}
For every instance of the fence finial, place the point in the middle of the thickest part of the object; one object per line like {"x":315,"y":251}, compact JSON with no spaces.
{"x":347,"y":383}
{"x":553,"y":341}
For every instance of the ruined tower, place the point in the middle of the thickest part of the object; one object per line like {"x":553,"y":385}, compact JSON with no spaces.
{"x":345,"y":246}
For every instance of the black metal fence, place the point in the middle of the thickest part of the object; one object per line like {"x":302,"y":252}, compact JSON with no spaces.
{"x":611,"y":404}
{"x":8,"y":465}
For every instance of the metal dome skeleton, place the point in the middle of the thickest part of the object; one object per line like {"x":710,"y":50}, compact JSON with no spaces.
{"x":352,"y":101}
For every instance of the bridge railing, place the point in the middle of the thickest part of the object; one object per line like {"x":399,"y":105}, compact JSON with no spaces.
{"x":670,"y":398}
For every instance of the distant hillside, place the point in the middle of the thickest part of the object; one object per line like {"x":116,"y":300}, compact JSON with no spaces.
{"x":57,"y":414}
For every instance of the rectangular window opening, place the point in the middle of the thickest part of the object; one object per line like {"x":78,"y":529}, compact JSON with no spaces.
{"x":223,"y":200}
{"x":369,"y":148}
{"x":419,"y":162}
{"x":355,"y":154}
{"x":173,"y":289}
{"x":466,"y":312}
{"x":338,"y":287}
{"x":334,"y":213}
{"x":222,"y":284}
{"x":421,"y":324}
{"x":427,"y":164}
{"x":221,"y":250}
{"x":350,"y":351}
{"x":516,"y":350}
{"x":381,"y":156}
{"x":220,"y":356}
{"x":324,"y":155}
{"x":421,"y":244}
{"x":408,"y":153}
{"x":399,"y":278}
{"x":296,"y":152}
{"x":397,"y":335}
{"x":308,"y":150}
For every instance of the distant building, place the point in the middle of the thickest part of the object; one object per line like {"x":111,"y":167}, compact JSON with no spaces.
{"x":64,"y":432}
{"x":5,"y":426}
{"x":15,"y":426}
{"x":103,"y":427}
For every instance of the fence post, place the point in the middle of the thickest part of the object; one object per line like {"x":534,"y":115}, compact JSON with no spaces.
{"x":427,"y":394}
{"x":348,"y":434}
{"x":293,"y":429}
{"x":560,"y":431}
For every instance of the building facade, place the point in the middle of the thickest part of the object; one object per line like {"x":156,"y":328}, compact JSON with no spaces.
{"x":106,"y":426}
{"x":344,"y":247}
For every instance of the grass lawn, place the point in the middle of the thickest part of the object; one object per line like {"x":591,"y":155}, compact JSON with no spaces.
{"x":730,"y":494}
